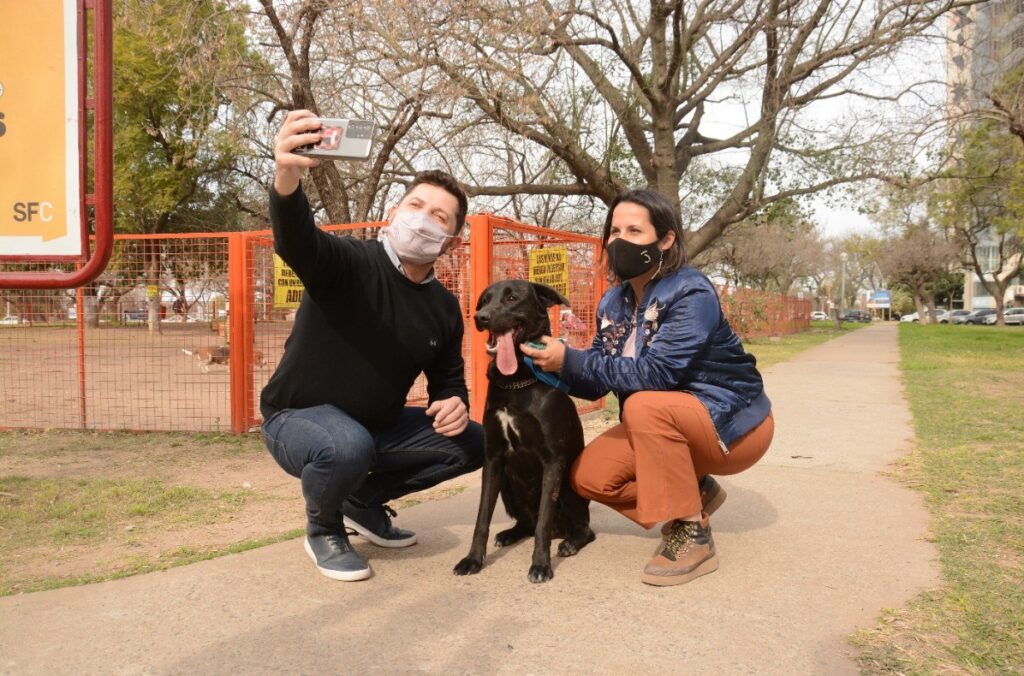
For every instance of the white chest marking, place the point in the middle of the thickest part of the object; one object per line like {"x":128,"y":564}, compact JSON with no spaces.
{"x":507,"y":423}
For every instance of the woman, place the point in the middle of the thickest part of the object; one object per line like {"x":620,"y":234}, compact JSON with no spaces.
{"x":692,"y":402}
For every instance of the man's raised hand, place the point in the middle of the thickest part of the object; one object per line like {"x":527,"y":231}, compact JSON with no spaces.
{"x":300,"y":128}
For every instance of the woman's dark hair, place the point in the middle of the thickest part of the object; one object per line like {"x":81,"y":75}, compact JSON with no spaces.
{"x":664,"y":219}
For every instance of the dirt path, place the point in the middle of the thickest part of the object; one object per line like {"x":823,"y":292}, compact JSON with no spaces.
{"x":813,"y":542}
{"x":217,"y":463}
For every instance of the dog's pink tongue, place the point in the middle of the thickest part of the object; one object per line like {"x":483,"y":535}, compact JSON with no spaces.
{"x":507,"y":354}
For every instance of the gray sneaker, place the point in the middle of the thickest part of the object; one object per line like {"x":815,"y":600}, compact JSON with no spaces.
{"x":335,"y":558}
{"x":374,"y":523}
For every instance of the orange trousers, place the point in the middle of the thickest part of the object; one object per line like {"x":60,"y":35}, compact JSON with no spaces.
{"x":647,"y":467}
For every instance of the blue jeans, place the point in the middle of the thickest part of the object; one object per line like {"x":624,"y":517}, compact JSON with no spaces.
{"x":337,"y":458}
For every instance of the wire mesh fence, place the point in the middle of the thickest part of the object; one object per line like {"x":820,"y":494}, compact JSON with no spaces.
{"x":567,"y":262}
{"x":181,"y":332}
{"x":118,"y":353}
{"x":754,"y":314}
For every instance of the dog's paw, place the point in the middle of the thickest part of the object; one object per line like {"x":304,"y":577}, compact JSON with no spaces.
{"x":510,"y":536}
{"x":540,"y":574}
{"x":572,"y":546}
{"x":566,"y":548}
{"x":468,"y":566}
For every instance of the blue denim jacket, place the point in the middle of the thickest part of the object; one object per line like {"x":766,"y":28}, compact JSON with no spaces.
{"x":684,"y":343}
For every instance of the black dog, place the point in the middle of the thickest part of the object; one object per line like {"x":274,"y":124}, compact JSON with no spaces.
{"x":532,"y":436}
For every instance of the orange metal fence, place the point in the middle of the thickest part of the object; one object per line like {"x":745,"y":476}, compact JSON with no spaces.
{"x":755,"y":314}
{"x":181,"y":332}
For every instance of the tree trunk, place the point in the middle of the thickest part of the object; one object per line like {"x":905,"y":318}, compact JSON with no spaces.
{"x":919,"y":305}
{"x":91,"y":309}
{"x":930,"y":302}
{"x":153,"y":279}
{"x":1000,"y":305}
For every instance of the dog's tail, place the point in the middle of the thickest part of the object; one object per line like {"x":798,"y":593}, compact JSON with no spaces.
{"x":187,"y":351}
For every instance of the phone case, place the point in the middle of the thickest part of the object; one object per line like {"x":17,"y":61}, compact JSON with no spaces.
{"x":342,"y":140}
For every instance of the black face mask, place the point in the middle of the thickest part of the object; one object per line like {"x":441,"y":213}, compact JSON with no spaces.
{"x":629,"y":260}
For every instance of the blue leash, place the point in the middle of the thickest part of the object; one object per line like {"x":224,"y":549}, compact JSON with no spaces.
{"x":543,"y":376}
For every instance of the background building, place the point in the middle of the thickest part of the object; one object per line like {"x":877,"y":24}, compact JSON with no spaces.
{"x":986,"y":41}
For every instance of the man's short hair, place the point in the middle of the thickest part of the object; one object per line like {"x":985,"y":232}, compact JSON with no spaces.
{"x":446,"y":182}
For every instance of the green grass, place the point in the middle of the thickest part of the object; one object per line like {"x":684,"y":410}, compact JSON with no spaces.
{"x":782,"y":348}
{"x":59,"y":513}
{"x":965,"y":386}
{"x":67,"y":511}
{"x":180,"y":557}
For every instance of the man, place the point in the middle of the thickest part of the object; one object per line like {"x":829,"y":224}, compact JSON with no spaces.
{"x":372,"y":318}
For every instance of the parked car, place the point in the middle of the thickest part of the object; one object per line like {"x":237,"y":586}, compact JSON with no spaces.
{"x":1014,"y":315}
{"x":820,"y":316}
{"x":953,"y":316}
{"x":856,"y":316}
{"x":136,"y":315}
{"x":11,"y":320}
{"x":941,"y":315}
{"x":1011,"y":316}
{"x":978,"y":316}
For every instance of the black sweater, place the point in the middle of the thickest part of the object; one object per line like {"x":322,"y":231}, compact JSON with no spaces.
{"x":363,"y":331}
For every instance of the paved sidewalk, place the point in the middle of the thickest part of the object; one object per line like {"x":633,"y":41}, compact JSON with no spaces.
{"x":813,"y":541}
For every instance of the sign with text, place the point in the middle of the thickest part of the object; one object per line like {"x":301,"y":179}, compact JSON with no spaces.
{"x":551,"y":266}
{"x":39,"y":153}
{"x":287,"y":286}
{"x":880,"y":299}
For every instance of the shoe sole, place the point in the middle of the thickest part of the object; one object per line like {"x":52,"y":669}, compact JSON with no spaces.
{"x":354,"y":576}
{"x":376,"y":539}
{"x":709,"y":565}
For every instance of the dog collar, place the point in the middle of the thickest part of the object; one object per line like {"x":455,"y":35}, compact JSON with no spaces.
{"x":545,"y":377}
{"x":517,"y":385}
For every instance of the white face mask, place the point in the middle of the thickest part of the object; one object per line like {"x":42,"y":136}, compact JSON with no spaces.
{"x":416,"y":237}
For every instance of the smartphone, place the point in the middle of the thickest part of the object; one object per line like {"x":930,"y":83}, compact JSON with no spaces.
{"x":342,"y":140}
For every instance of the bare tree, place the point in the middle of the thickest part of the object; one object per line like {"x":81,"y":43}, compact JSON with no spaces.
{"x":918,"y":256}
{"x":623,"y":92}
{"x":316,"y":58}
{"x":770,"y":251}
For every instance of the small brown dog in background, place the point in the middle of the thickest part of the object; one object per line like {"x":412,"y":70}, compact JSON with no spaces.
{"x":219,"y":355}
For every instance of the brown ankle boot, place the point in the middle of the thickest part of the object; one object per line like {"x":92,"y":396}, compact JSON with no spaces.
{"x":712,"y":495}
{"x":688,"y":552}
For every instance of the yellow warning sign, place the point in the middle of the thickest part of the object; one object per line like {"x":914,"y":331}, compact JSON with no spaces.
{"x":287,"y":286}
{"x":39,"y":179}
{"x":551,"y":266}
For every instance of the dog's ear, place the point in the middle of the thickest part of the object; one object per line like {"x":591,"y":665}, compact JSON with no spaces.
{"x":484,"y":298}
{"x":549,"y":296}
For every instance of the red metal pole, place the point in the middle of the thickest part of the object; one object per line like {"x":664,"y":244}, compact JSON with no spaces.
{"x":236,"y":330}
{"x":102,"y":198}
{"x":245,"y":338}
{"x":480,"y":248}
{"x":80,"y":321}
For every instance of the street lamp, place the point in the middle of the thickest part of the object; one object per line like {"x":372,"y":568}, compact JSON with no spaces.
{"x":842,"y":288}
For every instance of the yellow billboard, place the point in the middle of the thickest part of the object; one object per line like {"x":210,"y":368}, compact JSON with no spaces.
{"x":551,"y":266}
{"x":39,"y":153}
{"x":287,"y":286}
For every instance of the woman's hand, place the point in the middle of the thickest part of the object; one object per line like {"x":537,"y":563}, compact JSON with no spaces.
{"x":549,"y":359}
